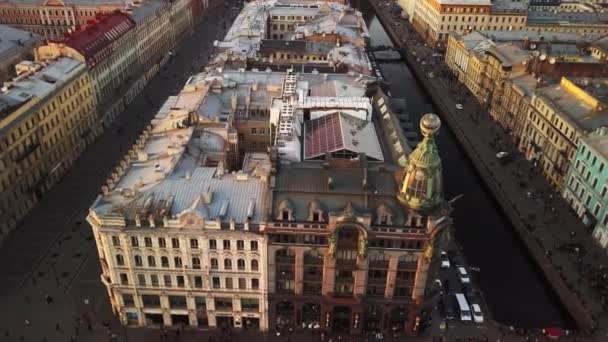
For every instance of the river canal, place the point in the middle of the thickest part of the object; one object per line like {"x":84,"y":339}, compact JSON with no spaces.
{"x":514,"y":289}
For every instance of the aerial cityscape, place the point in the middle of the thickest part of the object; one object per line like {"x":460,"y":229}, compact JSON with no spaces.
{"x":304,"y":170}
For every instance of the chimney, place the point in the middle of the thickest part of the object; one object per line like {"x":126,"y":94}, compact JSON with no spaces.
{"x":330,"y":183}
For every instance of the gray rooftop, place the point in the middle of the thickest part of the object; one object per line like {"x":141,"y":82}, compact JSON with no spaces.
{"x":573,"y":108}
{"x":42,"y":81}
{"x":12,"y":39}
{"x":148,"y":8}
{"x":72,"y":2}
{"x":567,"y":18}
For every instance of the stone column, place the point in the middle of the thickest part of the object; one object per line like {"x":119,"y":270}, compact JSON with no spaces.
{"x":299,"y":271}
{"x":420,"y":282}
{"x":391,"y":277}
{"x":329,"y":275}
{"x":361,"y":276}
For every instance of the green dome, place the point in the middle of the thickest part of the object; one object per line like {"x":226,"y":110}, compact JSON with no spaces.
{"x":422,"y":186}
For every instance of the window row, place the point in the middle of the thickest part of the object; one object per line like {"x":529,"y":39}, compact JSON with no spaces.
{"x":180,"y":302}
{"x":175,"y":243}
{"x":196,"y":262}
{"x":228,"y":283}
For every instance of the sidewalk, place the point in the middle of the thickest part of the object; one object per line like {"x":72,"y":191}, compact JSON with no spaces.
{"x":544,"y":212}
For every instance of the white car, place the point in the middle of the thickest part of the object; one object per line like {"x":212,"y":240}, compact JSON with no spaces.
{"x":502,"y":154}
{"x":477,"y":315}
{"x":445,"y":261}
{"x":431,"y":74}
{"x":463,"y":275}
{"x":459,"y":106}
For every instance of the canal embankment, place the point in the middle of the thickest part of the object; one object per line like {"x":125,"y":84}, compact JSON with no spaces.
{"x":533,"y":238}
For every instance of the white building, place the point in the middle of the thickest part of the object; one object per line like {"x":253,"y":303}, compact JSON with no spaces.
{"x":180,"y":241}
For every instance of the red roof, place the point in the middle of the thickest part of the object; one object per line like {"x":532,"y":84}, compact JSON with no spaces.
{"x":99,"y":33}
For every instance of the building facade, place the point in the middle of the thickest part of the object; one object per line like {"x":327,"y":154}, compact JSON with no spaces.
{"x":47,"y":118}
{"x":16,"y":45}
{"x":108,"y":46}
{"x":174,"y":256}
{"x":52,"y":18}
{"x":435,"y":19}
{"x":560,"y":114}
{"x":342,"y":258}
{"x":586,"y":188}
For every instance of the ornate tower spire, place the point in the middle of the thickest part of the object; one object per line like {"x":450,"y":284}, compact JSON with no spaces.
{"x":422,"y":186}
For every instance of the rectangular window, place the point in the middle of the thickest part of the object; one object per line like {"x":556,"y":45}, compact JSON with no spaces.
{"x":124,"y":279}
{"x":180,"y":281}
{"x":150,"y":301}
{"x":154,"y":280}
{"x":162,"y":243}
{"x":212,"y":244}
{"x":167,"y":280}
{"x":175,"y":242}
{"x":223,"y":304}
{"x":254,"y":245}
{"x":148,"y":241}
{"x":177,"y":302}
{"x":141,"y":279}
{"x":134,"y":241}
{"x":253,"y":131}
{"x":193,"y":243}
{"x":198,"y":282}
{"x":242,"y":283}
{"x":200,"y":303}
{"x":240,"y":245}
{"x":115,"y":240}
{"x":226,"y":244}
{"x":596,"y":210}
{"x":127,"y":300}
{"x":229,"y":283}
{"x":216,"y":282}
{"x":250,"y":304}
{"x":255,"y":283}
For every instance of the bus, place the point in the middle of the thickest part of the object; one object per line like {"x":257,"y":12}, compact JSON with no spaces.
{"x":463,"y":308}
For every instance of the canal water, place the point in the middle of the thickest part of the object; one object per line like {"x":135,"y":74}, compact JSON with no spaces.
{"x":513,"y":287}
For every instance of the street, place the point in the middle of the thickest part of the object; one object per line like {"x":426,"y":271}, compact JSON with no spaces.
{"x":49,"y":266}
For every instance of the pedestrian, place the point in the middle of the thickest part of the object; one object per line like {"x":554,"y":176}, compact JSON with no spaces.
{"x":76,"y":330}
{"x":57,"y":327}
{"x":27,"y":323}
{"x":49,"y":299}
{"x":89,"y":326}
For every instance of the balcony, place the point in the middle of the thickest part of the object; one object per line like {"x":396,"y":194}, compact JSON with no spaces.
{"x":26,"y":152}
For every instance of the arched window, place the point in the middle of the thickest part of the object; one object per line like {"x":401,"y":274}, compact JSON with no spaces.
{"x":254,"y":265}
{"x":196,"y":263}
{"x":151,"y":261}
{"x":177,"y":261}
{"x":164,"y":261}
{"x":138,"y":261}
{"x":240,"y":264}
{"x":214,"y":264}
{"x":227,"y":264}
{"x":417,"y":185}
{"x":120,"y":260}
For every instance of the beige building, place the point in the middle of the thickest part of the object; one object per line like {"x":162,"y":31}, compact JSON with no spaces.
{"x":53,"y":18}
{"x":112,"y":59}
{"x":47,"y":118}
{"x":435,"y":19}
{"x":179,"y":236}
{"x":326,"y":36}
{"x":559,"y":115}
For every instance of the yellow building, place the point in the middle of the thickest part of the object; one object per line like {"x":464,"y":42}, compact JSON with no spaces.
{"x":558,"y":116}
{"x":47,"y":118}
{"x":434,"y":19}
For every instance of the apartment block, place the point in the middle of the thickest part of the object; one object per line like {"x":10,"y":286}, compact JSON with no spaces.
{"x":47,"y":118}
{"x":560,"y":114}
{"x":108,"y":47}
{"x":586,"y":186}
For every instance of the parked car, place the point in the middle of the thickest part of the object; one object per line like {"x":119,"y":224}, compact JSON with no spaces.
{"x":463,"y":275}
{"x":445,"y":261}
{"x":477,"y":315}
{"x":459,"y":106}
